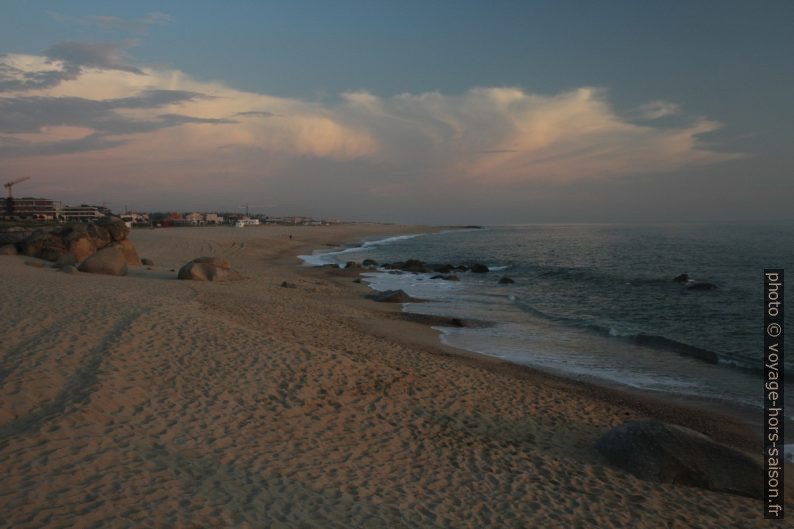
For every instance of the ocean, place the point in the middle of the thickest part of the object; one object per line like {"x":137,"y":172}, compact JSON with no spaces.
{"x":598,"y":301}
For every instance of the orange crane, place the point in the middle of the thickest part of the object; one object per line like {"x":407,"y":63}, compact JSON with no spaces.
{"x":12,"y":183}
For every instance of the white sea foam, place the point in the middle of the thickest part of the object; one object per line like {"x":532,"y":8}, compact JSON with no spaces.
{"x":323,"y":257}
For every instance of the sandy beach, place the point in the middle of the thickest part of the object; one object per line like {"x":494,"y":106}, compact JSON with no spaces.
{"x":143,"y":401}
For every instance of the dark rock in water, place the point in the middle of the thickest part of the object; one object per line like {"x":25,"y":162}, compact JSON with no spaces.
{"x":702,"y":286}
{"x":446,"y":277}
{"x":287,"y":284}
{"x":414,"y":265}
{"x":456,"y":322}
{"x":8,"y":249}
{"x":352,"y":264}
{"x":329,"y":265}
{"x":369,"y":263}
{"x":393,"y":296}
{"x":682,"y":278}
{"x":443,"y":269}
{"x":461,"y":268}
{"x":506,"y":281}
{"x":147,"y":262}
{"x":667,"y":453}
{"x":480,"y":269}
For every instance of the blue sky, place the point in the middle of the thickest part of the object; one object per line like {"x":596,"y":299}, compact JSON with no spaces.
{"x":662,"y":66}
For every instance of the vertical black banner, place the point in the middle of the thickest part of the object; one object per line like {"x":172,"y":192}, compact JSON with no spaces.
{"x":774,"y":458}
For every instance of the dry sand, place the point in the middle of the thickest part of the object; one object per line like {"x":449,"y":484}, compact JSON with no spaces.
{"x":143,"y":401}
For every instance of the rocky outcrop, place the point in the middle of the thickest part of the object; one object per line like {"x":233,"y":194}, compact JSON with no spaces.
{"x":479,"y":269}
{"x":207,"y":269}
{"x":129,"y":251}
{"x":116,"y":227}
{"x":44,"y":245}
{"x":667,"y":453}
{"x":108,"y":261}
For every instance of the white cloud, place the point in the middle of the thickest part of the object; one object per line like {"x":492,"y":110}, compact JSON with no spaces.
{"x":486,"y":135}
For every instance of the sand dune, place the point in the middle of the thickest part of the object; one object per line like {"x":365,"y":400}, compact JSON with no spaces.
{"x":143,"y":401}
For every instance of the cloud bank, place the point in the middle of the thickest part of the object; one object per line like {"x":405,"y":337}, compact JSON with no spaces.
{"x":81,"y":112}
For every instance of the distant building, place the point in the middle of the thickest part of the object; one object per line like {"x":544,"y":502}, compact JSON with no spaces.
{"x":194,"y":218}
{"x":213,"y":218}
{"x":30,"y":208}
{"x":82,"y":213}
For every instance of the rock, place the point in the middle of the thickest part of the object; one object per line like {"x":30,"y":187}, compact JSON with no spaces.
{"x":702,"y":286}
{"x":129,"y":251}
{"x":65,"y":260}
{"x":116,"y":227}
{"x":202,"y":272}
{"x":443,"y":269}
{"x":682,"y":278}
{"x":352,"y":264}
{"x":109,"y":261}
{"x":329,"y":265}
{"x":147,"y":262}
{"x":287,"y":284}
{"x":506,"y":281}
{"x":456,"y":322}
{"x":667,"y":453}
{"x":69,"y":269}
{"x":393,"y":296}
{"x":369,"y":263}
{"x":44,"y":245}
{"x":8,"y":249}
{"x":448,"y":277}
{"x":98,"y":235}
{"x":357,"y":280}
{"x":480,"y":269}
{"x":414,"y":265}
{"x":80,"y":248}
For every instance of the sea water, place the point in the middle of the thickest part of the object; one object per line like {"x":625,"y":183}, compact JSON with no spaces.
{"x":599,"y":302}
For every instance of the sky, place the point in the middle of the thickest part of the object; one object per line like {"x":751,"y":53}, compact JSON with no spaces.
{"x":428,"y":112}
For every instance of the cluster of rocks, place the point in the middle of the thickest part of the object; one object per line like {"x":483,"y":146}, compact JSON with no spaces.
{"x":100,"y":248}
{"x":444,"y":272}
{"x":684,"y":279}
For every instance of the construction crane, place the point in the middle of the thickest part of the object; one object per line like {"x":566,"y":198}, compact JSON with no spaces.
{"x":10,"y":197}
{"x":12,"y":183}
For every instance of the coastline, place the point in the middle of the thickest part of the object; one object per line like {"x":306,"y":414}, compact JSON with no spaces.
{"x":248,"y":404}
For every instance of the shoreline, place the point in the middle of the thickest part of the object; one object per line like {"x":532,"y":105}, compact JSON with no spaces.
{"x":723,"y":420}
{"x":143,"y":400}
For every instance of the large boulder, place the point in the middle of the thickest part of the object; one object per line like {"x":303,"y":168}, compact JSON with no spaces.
{"x":128,"y":249}
{"x":97,"y":234}
{"x":206,"y":269}
{"x":81,"y":247}
{"x":108,"y":261}
{"x":667,"y":453}
{"x":115,"y":226}
{"x":44,"y":245}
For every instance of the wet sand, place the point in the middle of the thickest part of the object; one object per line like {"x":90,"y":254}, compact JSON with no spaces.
{"x":143,"y":401}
